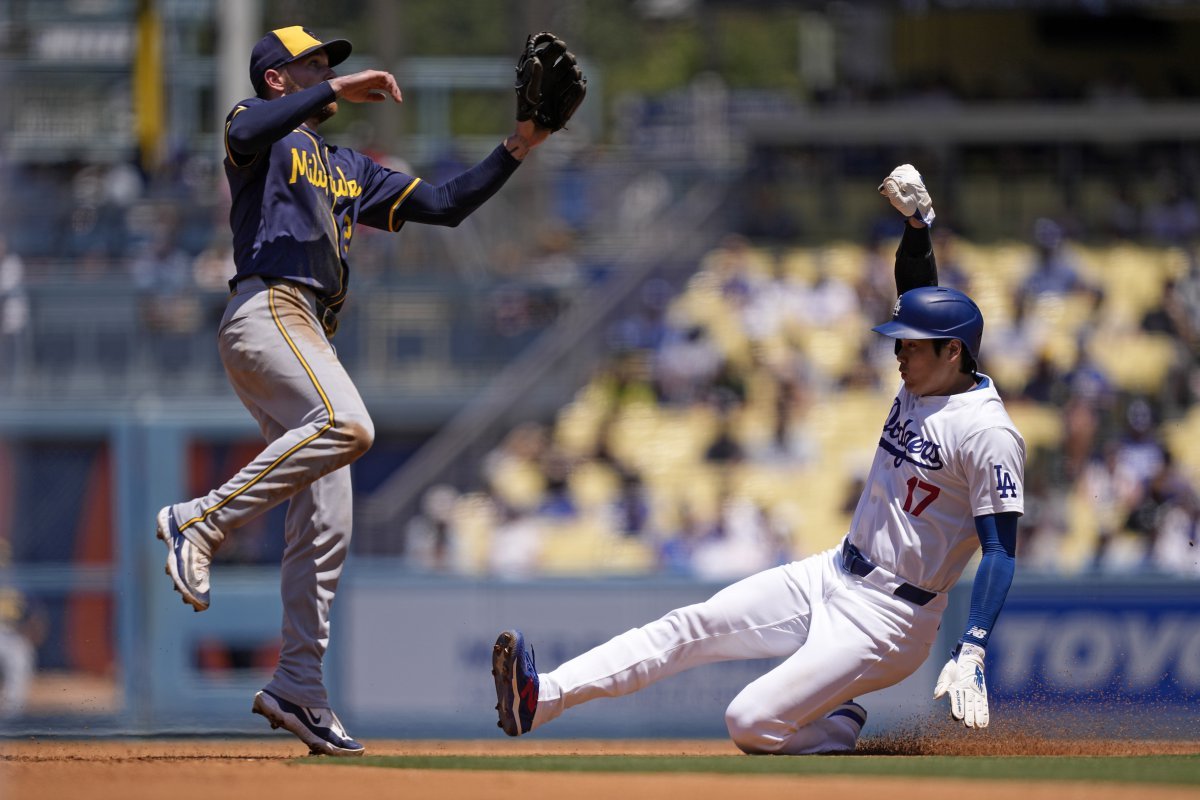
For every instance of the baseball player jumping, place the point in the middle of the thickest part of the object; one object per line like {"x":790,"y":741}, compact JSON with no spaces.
{"x":947,"y":477}
{"x":295,"y":202}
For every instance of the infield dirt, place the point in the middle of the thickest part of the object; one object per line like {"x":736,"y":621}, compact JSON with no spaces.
{"x":251,"y":769}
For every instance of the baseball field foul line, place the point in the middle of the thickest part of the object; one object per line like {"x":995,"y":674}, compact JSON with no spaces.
{"x":1178,"y":770}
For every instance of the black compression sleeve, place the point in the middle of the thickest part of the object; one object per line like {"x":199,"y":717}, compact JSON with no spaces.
{"x":915,"y":264}
{"x":262,"y":124}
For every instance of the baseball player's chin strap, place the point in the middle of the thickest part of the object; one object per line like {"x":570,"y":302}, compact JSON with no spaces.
{"x":998,"y":536}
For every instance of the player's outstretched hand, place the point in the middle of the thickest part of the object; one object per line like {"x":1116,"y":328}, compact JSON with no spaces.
{"x":962,"y":678}
{"x":905,"y":190}
{"x":368,"y":86}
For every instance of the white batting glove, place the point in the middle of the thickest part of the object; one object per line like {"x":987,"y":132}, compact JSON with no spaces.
{"x":905,"y":189}
{"x":962,"y":679}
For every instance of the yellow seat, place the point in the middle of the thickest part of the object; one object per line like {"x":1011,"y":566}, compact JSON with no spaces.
{"x":1040,"y":424}
{"x":1135,"y":362}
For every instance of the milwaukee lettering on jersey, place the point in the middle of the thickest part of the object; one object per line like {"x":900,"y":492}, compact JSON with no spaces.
{"x":308,"y":166}
{"x":908,"y":445}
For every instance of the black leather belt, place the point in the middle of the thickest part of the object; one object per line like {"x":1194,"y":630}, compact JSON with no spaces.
{"x":854,"y":563}
{"x":325,"y":315}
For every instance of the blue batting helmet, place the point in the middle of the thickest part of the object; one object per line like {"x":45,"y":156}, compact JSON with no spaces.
{"x":936,"y":312}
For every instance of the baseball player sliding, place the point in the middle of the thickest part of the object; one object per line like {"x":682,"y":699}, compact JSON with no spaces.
{"x":946,"y":477}
{"x":295,"y":202}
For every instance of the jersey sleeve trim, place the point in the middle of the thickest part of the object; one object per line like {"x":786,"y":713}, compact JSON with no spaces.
{"x":393,"y":225}
{"x":233,"y":159}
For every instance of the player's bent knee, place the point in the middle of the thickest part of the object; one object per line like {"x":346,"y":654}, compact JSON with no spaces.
{"x":359,"y":434}
{"x":745,"y":729}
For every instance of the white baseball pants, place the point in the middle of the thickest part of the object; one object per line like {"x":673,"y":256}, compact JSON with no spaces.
{"x":841,"y":635}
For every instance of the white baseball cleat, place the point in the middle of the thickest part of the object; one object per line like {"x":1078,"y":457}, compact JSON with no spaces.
{"x":319,"y":728}
{"x":905,"y":189}
{"x":187,"y":564}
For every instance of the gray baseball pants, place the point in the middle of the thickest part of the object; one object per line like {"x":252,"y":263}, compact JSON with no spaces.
{"x":287,"y":374}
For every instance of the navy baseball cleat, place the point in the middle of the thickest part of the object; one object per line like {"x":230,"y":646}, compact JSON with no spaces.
{"x":851,"y":711}
{"x":186,"y":563}
{"x":319,"y":728}
{"x":516,"y":683}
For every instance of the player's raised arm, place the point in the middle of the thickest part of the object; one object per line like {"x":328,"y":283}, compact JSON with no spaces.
{"x":915,"y":265}
{"x":255,"y":126}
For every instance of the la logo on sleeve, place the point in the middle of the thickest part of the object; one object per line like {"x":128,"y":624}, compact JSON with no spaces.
{"x":1005,"y":485}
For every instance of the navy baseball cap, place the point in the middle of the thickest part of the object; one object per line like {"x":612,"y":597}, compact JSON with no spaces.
{"x":285,"y":45}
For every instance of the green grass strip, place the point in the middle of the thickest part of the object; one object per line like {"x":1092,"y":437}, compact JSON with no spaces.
{"x":1184,"y":770}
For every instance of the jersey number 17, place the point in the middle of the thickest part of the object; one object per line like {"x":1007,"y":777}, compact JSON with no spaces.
{"x":931,"y":491}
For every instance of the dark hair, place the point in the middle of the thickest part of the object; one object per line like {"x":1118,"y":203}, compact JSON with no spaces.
{"x":967,"y":365}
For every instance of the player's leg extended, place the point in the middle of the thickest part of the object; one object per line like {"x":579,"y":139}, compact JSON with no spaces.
{"x":283,"y":368}
{"x":861,"y":640}
{"x":317,"y":532}
{"x":763,"y":616}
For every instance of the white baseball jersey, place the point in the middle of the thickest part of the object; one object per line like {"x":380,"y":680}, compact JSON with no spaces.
{"x":941,"y":461}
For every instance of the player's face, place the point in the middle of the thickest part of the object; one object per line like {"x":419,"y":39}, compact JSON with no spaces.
{"x":306,"y":73}
{"x":926,"y":372}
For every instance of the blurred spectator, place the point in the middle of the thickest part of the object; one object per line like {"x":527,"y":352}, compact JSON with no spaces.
{"x":949,"y":264}
{"x":630,"y":511}
{"x":1164,"y":512}
{"x":18,"y":656}
{"x":686,"y":363}
{"x":23,"y":629}
{"x":876,"y":286}
{"x":740,"y":544}
{"x":1176,"y":546}
{"x":427,"y":539}
{"x":1185,"y":302}
{"x":644,"y":327}
{"x":828,"y":301}
{"x":1139,"y":452}
{"x":1110,"y":491}
{"x":14,"y":311}
{"x":724,"y":449}
{"x":1044,"y":524}
{"x":511,"y":469}
{"x":171,"y":308}
{"x":1123,"y":219}
{"x":557,"y":502}
{"x":1045,"y":384}
{"x":556,"y":264}
{"x":1175,"y":219}
{"x":1054,"y":270}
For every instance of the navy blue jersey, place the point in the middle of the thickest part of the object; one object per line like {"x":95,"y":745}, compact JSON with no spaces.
{"x":296,"y":199}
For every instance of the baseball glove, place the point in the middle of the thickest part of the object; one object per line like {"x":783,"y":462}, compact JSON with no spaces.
{"x":549,"y":85}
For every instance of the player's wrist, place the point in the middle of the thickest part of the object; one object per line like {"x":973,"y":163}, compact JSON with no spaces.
{"x":517,"y":146}
{"x":970,"y":651}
